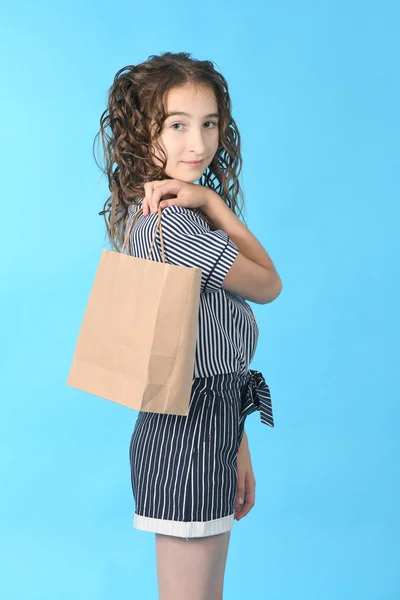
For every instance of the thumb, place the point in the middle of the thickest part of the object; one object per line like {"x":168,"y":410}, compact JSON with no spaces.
{"x":240,"y":493}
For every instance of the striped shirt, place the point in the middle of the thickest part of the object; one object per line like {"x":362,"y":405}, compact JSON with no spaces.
{"x":227,"y":332}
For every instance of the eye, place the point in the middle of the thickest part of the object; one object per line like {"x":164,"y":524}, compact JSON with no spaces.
{"x":212,"y":122}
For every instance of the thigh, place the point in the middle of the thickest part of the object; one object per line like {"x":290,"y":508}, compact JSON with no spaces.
{"x":190,"y":568}
{"x":221,"y":575}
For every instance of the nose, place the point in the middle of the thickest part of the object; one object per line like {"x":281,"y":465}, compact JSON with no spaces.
{"x":197,"y":142}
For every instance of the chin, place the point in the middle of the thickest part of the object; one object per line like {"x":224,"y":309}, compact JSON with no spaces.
{"x":182,"y":177}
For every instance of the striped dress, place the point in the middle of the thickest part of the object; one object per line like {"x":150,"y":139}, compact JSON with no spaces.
{"x":184,"y":468}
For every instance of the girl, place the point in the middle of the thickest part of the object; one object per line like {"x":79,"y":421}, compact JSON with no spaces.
{"x":171,"y":125}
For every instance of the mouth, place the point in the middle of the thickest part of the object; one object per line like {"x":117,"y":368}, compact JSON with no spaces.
{"x":193,"y":163}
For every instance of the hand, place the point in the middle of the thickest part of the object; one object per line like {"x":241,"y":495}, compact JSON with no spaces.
{"x":170,"y":192}
{"x":246,"y":483}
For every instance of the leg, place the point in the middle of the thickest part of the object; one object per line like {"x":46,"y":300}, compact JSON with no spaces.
{"x":220,"y":583}
{"x":189,"y":568}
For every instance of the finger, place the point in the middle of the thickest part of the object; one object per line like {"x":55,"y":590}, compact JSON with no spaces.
{"x":248,"y":505}
{"x":169,"y":188}
{"x":240,"y":494}
{"x":147,"y":196}
{"x":245,"y":510}
{"x":238,"y":511}
{"x":249,"y":494}
{"x":155,"y":198}
{"x":152,"y":199}
{"x":239,"y":506}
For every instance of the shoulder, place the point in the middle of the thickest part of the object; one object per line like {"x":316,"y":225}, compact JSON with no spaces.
{"x":180,"y":216}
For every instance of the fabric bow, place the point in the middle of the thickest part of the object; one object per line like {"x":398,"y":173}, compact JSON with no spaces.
{"x":257,"y":396}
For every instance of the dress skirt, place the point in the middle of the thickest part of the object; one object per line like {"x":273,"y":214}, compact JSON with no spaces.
{"x":184,"y":468}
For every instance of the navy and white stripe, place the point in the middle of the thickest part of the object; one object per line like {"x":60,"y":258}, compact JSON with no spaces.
{"x":184,"y":468}
{"x":227,"y":333}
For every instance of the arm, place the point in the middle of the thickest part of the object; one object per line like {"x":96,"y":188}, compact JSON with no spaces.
{"x":223,"y":218}
{"x":246,"y":483}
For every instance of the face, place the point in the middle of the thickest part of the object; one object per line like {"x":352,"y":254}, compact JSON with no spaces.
{"x":189,"y":137}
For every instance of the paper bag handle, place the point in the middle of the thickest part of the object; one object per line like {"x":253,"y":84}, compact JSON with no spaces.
{"x":128,"y":233}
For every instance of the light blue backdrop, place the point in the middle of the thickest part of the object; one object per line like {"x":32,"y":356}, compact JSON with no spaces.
{"x":315,"y":91}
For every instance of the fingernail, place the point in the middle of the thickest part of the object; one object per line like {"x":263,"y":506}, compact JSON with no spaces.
{"x":240,"y":501}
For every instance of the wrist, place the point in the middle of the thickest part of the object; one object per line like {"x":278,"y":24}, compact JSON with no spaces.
{"x":209,"y":198}
{"x":214,"y":208}
{"x":245,"y":441}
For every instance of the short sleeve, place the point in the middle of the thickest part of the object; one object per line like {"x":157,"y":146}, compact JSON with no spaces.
{"x":189,"y":241}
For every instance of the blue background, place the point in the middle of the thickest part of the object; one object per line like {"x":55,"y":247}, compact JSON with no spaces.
{"x":315,"y":92}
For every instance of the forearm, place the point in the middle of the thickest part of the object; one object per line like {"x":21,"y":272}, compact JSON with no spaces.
{"x":245,"y":441}
{"x":224,"y":218}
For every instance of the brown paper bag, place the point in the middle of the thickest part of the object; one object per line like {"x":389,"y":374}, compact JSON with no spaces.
{"x":136,"y":345}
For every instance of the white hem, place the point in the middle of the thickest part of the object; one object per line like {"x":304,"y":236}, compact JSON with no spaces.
{"x":187,"y":529}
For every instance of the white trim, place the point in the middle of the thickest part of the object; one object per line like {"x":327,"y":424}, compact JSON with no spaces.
{"x":187,"y":529}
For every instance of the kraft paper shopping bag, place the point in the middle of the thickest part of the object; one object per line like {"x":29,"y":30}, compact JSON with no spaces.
{"x":136,"y":345}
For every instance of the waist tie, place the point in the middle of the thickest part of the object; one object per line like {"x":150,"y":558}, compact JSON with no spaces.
{"x":257,"y":396}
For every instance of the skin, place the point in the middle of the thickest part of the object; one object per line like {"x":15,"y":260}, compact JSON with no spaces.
{"x":186,"y":138}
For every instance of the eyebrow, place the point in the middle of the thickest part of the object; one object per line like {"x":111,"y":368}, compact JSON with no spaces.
{"x":189,"y":115}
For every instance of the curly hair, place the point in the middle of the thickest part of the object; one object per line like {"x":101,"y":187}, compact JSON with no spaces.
{"x":135,"y":99}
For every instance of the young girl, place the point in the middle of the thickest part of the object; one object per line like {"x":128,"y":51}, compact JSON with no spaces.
{"x":171,"y":125}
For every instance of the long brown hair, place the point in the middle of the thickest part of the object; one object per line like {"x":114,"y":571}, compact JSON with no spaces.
{"x":135,"y":98}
